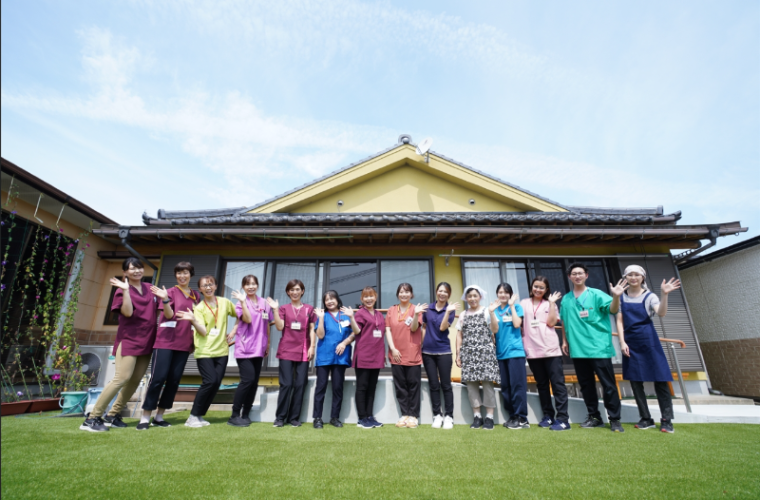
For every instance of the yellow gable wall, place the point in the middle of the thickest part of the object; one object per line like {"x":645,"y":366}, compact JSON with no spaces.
{"x":401,"y":180}
{"x":406,"y":189}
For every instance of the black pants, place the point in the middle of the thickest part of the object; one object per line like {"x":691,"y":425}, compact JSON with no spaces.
{"x":323,"y":375}
{"x":293,"y":378}
{"x":546,"y":370}
{"x":165,"y":373}
{"x":585,"y":369}
{"x":438,"y":370}
{"x":366,"y":383}
{"x":212,"y":372}
{"x":250,"y":369}
{"x":408,"y":380}
{"x":663,"y":398}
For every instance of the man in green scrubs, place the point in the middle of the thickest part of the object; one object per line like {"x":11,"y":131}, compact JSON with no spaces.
{"x":585,"y":314}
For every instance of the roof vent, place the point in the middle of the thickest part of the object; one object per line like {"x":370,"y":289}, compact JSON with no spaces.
{"x":404,"y":139}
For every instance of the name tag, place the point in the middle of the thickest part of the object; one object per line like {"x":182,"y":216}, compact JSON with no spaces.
{"x":345,"y":323}
{"x":408,"y":321}
{"x":169,"y":324}
{"x":506,"y":319}
{"x":295,"y":325}
{"x":534,"y":323}
{"x":377,"y":334}
{"x":583,"y":314}
{"x":214,"y":332}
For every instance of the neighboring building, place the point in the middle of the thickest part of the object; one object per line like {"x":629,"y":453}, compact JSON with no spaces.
{"x":723,"y":289}
{"x":398,"y":216}
{"x":40,"y":206}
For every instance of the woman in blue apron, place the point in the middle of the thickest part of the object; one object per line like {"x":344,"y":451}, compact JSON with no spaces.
{"x":643,"y":357}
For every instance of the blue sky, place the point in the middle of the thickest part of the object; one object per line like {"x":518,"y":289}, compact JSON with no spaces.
{"x":139,"y":105}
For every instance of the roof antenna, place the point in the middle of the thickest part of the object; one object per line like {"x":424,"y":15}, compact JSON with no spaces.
{"x":424,"y":147}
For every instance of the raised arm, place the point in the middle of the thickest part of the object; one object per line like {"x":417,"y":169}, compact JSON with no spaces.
{"x":418,"y":310}
{"x":243,"y":301}
{"x":665,"y":289}
{"x":279,"y":323}
{"x":348,"y":311}
{"x":127,"y":309}
{"x":616,"y":292}
{"x":455,"y":307}
{"x":493,"y":317}
{"x":516,"y":320}
{"x":551,"y":321}
{"x":162,"y":294}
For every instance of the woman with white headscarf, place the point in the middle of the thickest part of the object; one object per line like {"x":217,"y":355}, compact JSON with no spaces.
{"x":643,"y":357}
{"x":476,"y":354}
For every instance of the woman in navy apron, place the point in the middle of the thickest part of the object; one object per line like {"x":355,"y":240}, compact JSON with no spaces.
{"x":643,"y":356}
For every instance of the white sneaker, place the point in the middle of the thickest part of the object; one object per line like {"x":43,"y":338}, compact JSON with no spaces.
{"x":448,"y":423}
{"x":437,"y":421}
{"x":193,"y":421}
{"x":204,"y":423}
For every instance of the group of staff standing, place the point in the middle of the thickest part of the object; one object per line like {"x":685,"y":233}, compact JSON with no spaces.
{"x":162,"y":327}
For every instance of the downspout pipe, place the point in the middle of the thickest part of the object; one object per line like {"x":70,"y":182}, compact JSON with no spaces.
{"x":690,"y":254}
{"x":125,"y":237}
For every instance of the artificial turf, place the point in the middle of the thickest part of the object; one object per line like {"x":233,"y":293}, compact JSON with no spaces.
{"x":52,"y":458}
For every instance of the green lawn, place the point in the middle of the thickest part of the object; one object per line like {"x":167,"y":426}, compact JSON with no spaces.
{"x":50,"y":457}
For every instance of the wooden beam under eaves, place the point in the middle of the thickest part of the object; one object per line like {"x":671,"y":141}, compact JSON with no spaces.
{"x":411,"y":237}
{"x":451,"y":238}
{"x":494,"y":238}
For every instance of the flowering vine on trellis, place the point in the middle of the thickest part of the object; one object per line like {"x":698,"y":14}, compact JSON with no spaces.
{"x":41,"y":319}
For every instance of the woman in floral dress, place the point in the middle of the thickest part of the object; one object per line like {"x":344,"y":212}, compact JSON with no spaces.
{"x":476,"y":354}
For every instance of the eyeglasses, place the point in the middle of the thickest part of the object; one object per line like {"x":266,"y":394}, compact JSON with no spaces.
{"x":207,"y":286}
{"x":577,"y":274}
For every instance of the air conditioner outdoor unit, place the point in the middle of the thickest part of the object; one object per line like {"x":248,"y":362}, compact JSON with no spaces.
{"x":96,"y":365}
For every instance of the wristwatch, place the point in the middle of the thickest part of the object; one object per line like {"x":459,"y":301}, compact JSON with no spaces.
{"x":166,"y":301}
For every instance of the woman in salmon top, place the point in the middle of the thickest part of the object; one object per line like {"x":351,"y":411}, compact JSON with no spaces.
{"x":404,"y":337}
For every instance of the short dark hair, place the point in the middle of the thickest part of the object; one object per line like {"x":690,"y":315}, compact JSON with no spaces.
{"x":333,"y":294}
{"x":545,"y":281}
{"x":132,"y":261}
{"x":444,"y":285}
{"x":574,"y":265}
{"x":507,"y":288}
{"x":293,"y":284}
{"x":184,"y":266}
{"x":248,"y":278}
{"x":470,"y":289}
{"x":402,"y":286}
{"x":208,"y":277}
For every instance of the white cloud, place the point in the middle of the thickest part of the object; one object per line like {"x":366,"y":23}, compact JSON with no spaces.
{"x":317,"y":31}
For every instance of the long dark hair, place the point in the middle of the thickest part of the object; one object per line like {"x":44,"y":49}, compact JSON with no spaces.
{"x":507,"y":288}
{"x":545,"y":281}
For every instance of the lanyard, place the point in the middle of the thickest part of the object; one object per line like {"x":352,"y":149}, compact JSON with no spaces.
{"x":582,"y":304}
{"x":191,"y":295}
{"x":212,"y":311}
{"x":401,"y":318}
{"x":505,"y":312}
{"x":256,"y":306}
{"x":374,"y":317}
{"x":296,"y":312}
{"x":535,"y":309}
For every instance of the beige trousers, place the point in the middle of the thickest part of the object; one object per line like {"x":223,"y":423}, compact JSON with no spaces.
{"x":489,"y":395}
{"x":129,"y":371}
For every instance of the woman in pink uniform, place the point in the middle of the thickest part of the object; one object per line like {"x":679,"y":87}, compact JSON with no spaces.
{"x":369,"y":357}
{"x":174,"y":343}
{"x":251,"y":345}
{"x":296,"y":322}
{"x":543,"y":353}
{"x":137,"y":307}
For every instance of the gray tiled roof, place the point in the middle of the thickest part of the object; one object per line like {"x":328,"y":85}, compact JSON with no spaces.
{"x":465,"y":218}
{"x":238,"y":215}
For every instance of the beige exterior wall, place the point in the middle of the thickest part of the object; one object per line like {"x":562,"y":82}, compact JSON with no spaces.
{"x":724,"y":299}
